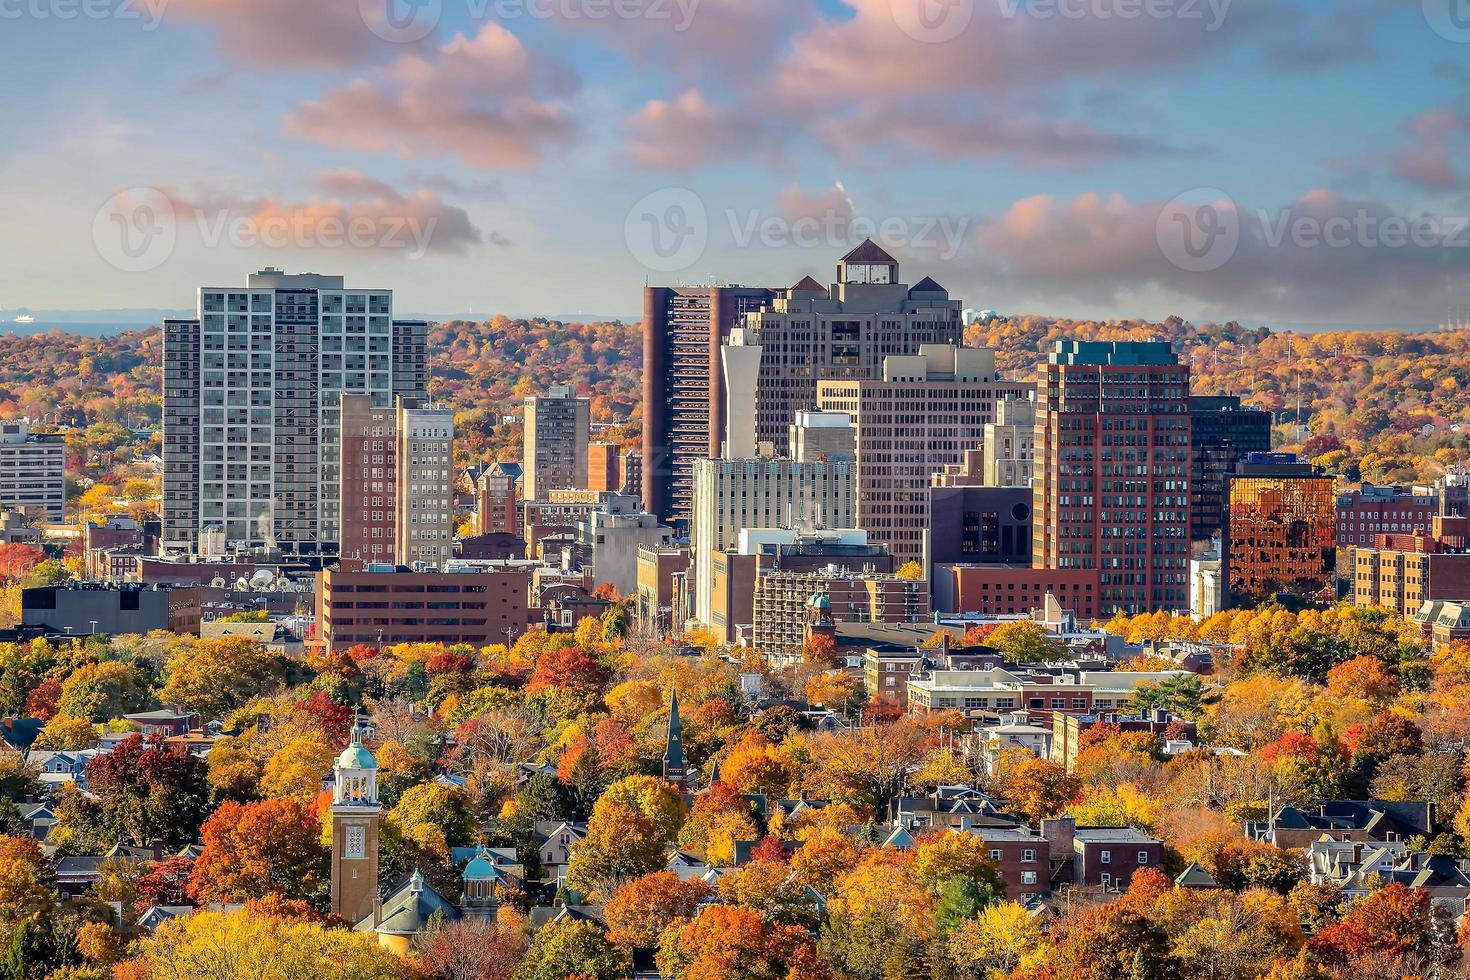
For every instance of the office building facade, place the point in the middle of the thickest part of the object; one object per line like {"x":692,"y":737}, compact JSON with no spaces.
{"x":1009,"y":444}
{"x":811,"y":333}
{"x":1221,"y":434}
{"x":396,"y":488}
{"x":1110,"y":480}
{"x":556,"y":438}
{"x":32,"y":471}
{"x":918,"y":417}
{"x":252,"y":407}
{"x":388,"y":604}
{"x":683,"y":387}
{"x":1280,"y":530}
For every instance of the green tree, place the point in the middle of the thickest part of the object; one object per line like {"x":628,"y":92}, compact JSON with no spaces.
{"x":566,"y":949}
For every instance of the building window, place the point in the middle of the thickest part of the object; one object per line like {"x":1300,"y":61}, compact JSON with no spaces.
{"x":1028,"y":877}
{"x":356,"y":842}
{"x":1142,"y":858}
{"x":1028,"y":856}
{"x":995,"y":854}
{"x":1106,"y":857}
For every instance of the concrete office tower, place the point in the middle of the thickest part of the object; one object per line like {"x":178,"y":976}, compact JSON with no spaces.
{"x":604,"y":467}
{"x":683,"y":386}
{"x":395,"y":488}
{"x":820,"y":437}
{"x":732,"y":495}
{"x":1221,"y":434}
{"x":611,"y":535}
{"x":1110,"y":479}
{"x":425,"y":486}
{"x":32,"y":471}
{"x":252,"y":390}
{"x":809,"y":334}
{"x":555,"y":456}
{"x":920,"y":416}
{"x":1009,"y":444}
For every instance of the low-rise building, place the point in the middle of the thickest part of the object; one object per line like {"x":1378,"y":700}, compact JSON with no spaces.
{"x":86,"y":608}
{"x":1013,"y":590}
{"x":388,"y":604}
{"x":610,"y":537}
{"x":1401,"y":572}
{"x":789,"y":606}
{"x":659,"y":570}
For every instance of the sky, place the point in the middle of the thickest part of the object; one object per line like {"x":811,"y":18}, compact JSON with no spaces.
{"x":1268,"y":161}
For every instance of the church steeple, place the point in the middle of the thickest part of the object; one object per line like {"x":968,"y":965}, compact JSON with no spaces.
{"x":674,"y":768}
{"x":355,"y":819}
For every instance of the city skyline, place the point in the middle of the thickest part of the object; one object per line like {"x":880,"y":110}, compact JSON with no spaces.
{"x":1027,"y":162}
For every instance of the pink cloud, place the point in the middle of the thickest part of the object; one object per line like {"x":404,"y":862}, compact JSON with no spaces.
{"x":352,"y":211}
{"x":689,"y":130}
{"x":483,"y":99}
{"x":286,"y":33}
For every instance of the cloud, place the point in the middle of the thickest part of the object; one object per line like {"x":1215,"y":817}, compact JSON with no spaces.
{"x":693,"y":39}
{"x":832,"y":207}
{"x":272,"y":34}
{"x":351,"y":211}
{"x":483,"y":99}
{"x":1436,"y":139}
{"x":1323,"y":256}
{"x":689,"y":131}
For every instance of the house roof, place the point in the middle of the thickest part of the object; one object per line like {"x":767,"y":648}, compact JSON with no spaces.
{"x":1195,"y":876}
{"x":808,"y":285}
{"x":407,"y":911}
{"x":927,"y":285}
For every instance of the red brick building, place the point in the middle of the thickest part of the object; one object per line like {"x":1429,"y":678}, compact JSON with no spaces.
{"x":1014,"y":590}
{"x":402,"y":606}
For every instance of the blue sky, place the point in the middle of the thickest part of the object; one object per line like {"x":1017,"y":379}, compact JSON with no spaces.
{"x":1033,"y":155}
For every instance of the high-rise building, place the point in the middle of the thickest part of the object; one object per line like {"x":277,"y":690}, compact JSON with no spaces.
{"x":555,"y":457}
{"x":252,"y":402}
{"x":1110,"y":478}
{"x":731,"y":495}
{"x":396,"y":486}
{"x":819,"y":437}
{"x":604,"y":467}
{"x":609,"y":539}
{"x":683,"y":387}
{"x":810,"y":333}
{"x":425,"y":488}
{"x":1221,"y":434}
{"x":1280,"y":530}
{"x":496,"y":499}
{"x":1009,"y":444}
{"x":921,"y":415}
{"x":32,"y":470}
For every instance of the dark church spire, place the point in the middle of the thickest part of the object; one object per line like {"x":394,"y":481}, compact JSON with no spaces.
{"x":674,"y":768}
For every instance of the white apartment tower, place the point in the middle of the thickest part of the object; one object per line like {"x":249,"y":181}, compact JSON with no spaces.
{"x":251,"y":406}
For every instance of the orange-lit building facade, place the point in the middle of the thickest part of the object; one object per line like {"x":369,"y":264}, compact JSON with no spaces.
{"x":1280,"y":530}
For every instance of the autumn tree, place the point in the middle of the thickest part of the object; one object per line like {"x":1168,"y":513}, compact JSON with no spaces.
{"x":214,"y":677}
{"x":256,"y":849}
{"x":471,"y":949}
{"x":571,"y":948}
{"x":640,"y":911}
{"x":632,"y":824}
{"x":732,"y":941}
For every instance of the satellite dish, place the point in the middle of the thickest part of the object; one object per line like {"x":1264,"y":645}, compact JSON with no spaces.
{"x":262,"y":578}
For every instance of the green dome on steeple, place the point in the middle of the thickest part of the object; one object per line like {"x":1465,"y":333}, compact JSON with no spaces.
{"x":820,"y":601}
{"x":355,"y":756}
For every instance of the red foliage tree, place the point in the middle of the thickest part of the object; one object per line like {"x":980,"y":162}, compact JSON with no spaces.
{"x":44,"y":697}
{"x":336,"y":719}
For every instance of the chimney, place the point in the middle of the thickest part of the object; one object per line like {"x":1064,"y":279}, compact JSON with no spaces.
{"x":1061,"y":834}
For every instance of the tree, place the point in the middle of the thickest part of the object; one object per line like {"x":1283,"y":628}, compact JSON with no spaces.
{"x":63,"y":734}
{"x":234,"y":945}
{"x":734,"y":942}
{"x":1026,"y":642}
{"x":1038,"y":788}
{"x":571,"y":948}
{"x":472,"y":949}
{"x":149,"y":791}
{"x":255,"y":849}
{"x":572,"y":679}
{"x":910,"y":570}
{"x":640,"y":911}
{"x":448,"y":809}
{"x":632,"y":825}
{"x":952,"y":854}
{"x":214,"y":677}
{"x":824,"y":857}
{"x":297,"y":768}
{"x":996,"y":940}
{"x":836,"y":689}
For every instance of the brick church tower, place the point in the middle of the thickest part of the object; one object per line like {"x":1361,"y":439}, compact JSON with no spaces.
{"x":355,"y":819}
